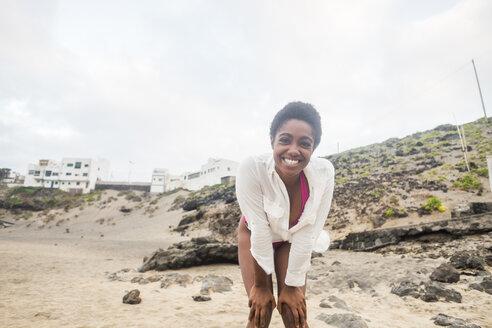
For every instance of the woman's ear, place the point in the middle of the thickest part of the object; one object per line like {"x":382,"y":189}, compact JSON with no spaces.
{"x":271,"y":141}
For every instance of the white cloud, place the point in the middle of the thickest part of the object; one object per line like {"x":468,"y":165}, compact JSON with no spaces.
{"x":171,"y":84}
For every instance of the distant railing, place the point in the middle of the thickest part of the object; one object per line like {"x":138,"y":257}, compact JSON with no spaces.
{"x":120,"y":185}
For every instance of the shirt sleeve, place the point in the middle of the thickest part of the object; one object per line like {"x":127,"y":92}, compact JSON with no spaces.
{"x":304,"y":239}
{"x":250,"y":198}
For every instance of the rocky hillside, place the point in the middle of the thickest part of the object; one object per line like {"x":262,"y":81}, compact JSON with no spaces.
{"x":409,"y":180}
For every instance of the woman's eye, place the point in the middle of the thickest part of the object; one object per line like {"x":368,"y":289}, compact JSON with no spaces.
{"x":283,"y":140}
{"x":306,"y":145}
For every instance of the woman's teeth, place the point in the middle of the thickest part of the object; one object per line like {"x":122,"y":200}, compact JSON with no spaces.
{"x":290,"y":161}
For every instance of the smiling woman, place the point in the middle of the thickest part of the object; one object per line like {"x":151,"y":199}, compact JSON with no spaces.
{"x":285,"y":198}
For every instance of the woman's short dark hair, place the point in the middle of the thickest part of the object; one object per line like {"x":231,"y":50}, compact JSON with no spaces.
{"x":300,"y":111}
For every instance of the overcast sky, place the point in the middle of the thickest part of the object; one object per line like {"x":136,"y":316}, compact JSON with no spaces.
{"x":169,"y":84}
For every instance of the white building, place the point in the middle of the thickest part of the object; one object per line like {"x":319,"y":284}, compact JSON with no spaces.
{"x":215,"y":171}
{"x":44,"y":174}
{"x":13,"y":179}
{"x":159,"y":180}
{"x":72,"y":174}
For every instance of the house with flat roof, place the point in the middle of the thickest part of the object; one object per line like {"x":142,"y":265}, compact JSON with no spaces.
{"x":71,"y":174}
{"x":215,"y":171}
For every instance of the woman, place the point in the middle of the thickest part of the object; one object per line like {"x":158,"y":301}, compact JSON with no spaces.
{"x":284,"y":199}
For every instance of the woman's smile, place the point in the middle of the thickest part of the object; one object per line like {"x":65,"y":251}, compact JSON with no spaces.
{"x":292,"y":148}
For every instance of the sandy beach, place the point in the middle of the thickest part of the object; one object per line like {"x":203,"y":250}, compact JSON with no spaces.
{"x":54,"y":278}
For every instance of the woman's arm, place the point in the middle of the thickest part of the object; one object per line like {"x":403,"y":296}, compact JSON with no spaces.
{"x":261,"y":299}
{"x":250,"y":198}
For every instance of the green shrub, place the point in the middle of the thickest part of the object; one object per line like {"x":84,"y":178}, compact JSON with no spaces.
{"x":394,"y":200}
{"x":433,"y":204}
{"x":482,"y":172}
{"x":468,"y":182}
{"x":389,"y":213}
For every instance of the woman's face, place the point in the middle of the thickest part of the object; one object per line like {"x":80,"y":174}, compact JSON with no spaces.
{"x":292,"y":146}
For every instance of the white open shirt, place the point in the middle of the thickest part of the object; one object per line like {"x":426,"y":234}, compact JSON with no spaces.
{"x":264,"y":201}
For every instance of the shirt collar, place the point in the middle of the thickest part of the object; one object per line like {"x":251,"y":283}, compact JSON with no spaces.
{"x":308,"y":170}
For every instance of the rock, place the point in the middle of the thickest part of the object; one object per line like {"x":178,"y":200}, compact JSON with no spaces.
{"x":345,"y":320}
{"x":484,"y":286}
{"x":124,"y":209}
{"x":325,"y":304}
{"x":210,"y":196}
{"x":476,"y":287}
{"x":429,"y":298}
{"x":470,"y":262}
{"x":445,"y":273}
{"x":201,"y":298}
{"x":435,"y":289}
{"x":115,"y":276}
{"x":132,"y":297}
{"x":187,"y":219}
{"x":487,"y":283}
{"x":488,"y":260}
{"x":214,"y":283}
{"x":339,"y":303}
{"x":194,"y":252}
{"x":378,"y":221}
{"x":154,"y":278}
{"x":406,"y":288}
{"x":175,"y":278}
{"x":432,"y":292}
{"x":472,"y":208}
{"x":373,"y":239}
{"x":136,"y":280}
{"x":446,"y":320}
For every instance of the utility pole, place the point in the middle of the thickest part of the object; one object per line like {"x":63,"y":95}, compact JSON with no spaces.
{"x":480,"y":91}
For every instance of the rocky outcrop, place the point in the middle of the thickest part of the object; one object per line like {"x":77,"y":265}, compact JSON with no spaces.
{"x":427,"y":292}
{"x":484,"y":286}
{"x":468,"y":262}
{"x":217,"y":284}
{"x":343,"y":320}
{"x":209,"y":196}
{"x":472,"y":208}
{"x":449,"y":321}
{"x":374,"y":239}
{"x":445,"y":273}
{"x":132,"y":297}
{"x":194,"y":252}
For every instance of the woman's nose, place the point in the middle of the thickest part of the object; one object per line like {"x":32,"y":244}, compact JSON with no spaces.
{"x":293,"y":150}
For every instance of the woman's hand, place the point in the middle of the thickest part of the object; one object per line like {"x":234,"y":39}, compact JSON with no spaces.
{"x":262,"y":303}
{"x":294,"y":298}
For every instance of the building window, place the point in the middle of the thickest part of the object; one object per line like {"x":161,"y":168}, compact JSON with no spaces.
{"x":47,"y":173}
{"x":86,"y":165}
{"x":55,"y":174}
{"x":160,"y":179}
{"x":68,"y":173}
{"x":63,"y":183}
{"x":69,"y":183}
{"x":37,"y":173}
{"x":78,"y":183}
{"x":69,"y":164}
{"x":228,"y":169}
{"x":84,"y":174}
{"x":56,"y":182}
{"x":31,"y":172}
{"x":78,"y":165}
{"x":194,"y":175}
